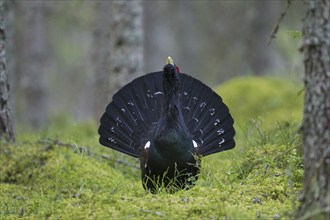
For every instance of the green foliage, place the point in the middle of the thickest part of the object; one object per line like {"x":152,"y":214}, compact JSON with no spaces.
{"x":71,"y":177}
{"x":295,"y":34}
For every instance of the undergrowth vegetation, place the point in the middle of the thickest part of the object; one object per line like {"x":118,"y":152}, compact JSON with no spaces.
{"x":63,"y":173}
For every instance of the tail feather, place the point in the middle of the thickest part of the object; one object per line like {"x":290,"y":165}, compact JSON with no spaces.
{"x":218,"y":127}
{"x":116,"y":142}
{"x":227,"y":146}
{"x":219,"y":144}
{"x":115,"y":132}
{"x":132,"y":112}
{"x":116,"y":128}
{"x":206,"y":116}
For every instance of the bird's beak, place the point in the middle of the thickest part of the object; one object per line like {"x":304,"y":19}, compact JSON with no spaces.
{"x":170,"y":61}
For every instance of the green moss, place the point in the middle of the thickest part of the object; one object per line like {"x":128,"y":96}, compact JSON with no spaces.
{"x":272,"y":99}
{"x":63,"y":179}
{"x":260,"y":178}
{"x":71,"y":185}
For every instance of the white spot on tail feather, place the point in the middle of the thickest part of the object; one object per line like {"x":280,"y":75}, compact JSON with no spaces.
{"x":195,"y":144}
{"x":187,"y":108}
{"x":220,"y":131}
{"x":221,"y":142}
{"x":202,"y":105}
{"x":112,"y":140}
{"x":147,"y":145}
{"x":212,"y":111}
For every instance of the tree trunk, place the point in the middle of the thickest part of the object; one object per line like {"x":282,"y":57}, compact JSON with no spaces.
{"x":10,"y":20}
{"x":32,"y":52}
{"x":6,"y":121}
{"x":126,"y":54}
{"x":101,"y":56}
{"x":259,"y":55}
{"x":118,"y":48}
{"x":316,"y":125}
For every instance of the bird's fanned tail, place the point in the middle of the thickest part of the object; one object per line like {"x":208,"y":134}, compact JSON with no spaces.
{"x":206,"y":116}
{"x":132,"y":112}
{"x":137,"y":107}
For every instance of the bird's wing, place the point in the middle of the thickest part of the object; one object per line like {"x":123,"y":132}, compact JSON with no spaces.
{"x":206,"y":116}
{"x":133,"y":110}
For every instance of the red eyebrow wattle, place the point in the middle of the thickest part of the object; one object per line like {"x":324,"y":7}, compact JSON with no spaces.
{"x":177,"y":69}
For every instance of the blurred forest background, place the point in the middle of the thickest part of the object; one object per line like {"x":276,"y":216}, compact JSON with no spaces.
{"x":64,"y":62}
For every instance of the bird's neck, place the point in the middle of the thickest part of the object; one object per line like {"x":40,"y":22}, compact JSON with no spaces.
{"x":172,"y":118}
{"x":172,"y":112}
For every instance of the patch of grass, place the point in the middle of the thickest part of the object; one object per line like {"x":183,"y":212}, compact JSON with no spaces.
{"x":63,"y":173}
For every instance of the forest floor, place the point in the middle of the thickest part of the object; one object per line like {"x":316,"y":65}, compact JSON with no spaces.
{"x":63,"y":173}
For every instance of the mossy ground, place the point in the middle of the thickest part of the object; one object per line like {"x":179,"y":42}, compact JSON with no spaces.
{"x":63,"y":173}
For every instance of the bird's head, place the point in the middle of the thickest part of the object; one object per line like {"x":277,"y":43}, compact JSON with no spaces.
{"x":170,"y":79}
{"x":170,"y":67}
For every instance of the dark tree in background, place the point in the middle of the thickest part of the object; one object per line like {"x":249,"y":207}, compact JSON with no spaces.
{"x":260,"y":57}
{"x":10,"y":18}
{"x":126,"y":53}
{"x":32,"y":53}
{"x":316,"y":135}
{"x":6,"y":121}
{"x":101,"y":55}
{"x":118,"y":45}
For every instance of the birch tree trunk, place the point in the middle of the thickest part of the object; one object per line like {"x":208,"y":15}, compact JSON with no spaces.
{"x":6,"y":121}
{"x":32,"y":53}
{"x":316,"y":125}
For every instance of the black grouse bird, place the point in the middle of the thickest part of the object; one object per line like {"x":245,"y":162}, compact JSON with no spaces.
{"x":168,"y":120}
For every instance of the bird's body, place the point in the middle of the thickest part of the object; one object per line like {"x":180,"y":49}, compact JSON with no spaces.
{"x":168,"y":120}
